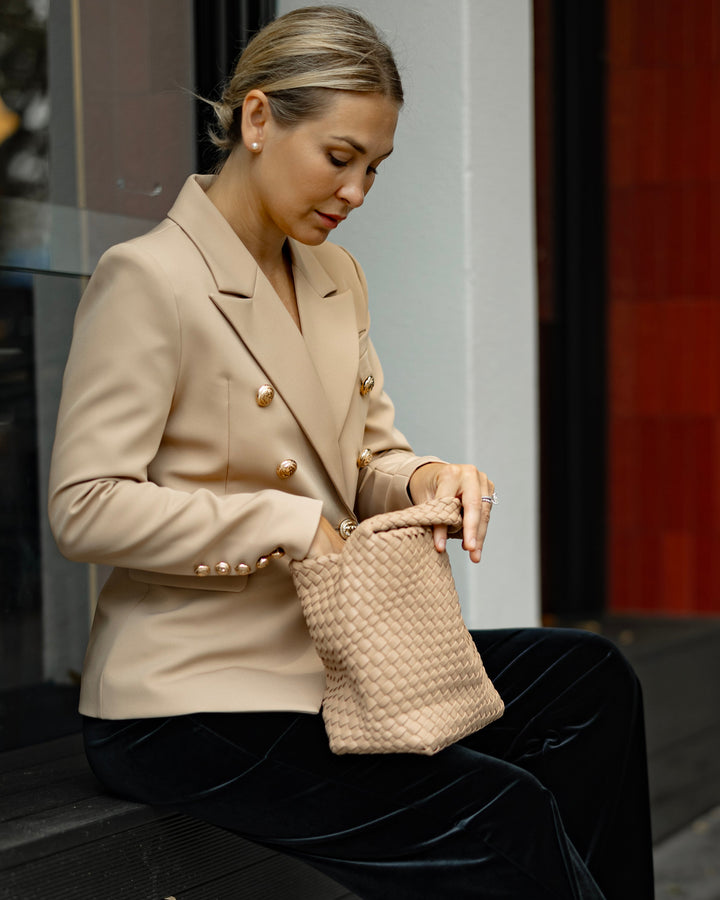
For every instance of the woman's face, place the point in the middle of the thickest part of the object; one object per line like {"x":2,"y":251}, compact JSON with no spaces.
{"x":312,"y":175}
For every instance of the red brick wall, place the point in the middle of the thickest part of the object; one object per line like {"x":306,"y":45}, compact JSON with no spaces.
{"x":664,"y":305}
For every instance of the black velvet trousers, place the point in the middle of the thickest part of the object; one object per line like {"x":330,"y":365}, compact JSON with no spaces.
{"x":549,"y":802}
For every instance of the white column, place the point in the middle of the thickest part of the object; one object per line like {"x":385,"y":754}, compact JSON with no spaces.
{"x":446,"y":239}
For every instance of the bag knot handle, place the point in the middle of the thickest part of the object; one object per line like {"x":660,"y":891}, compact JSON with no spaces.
{"x":438,"y":511}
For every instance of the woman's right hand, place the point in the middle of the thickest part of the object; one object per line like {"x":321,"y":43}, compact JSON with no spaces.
{"x":327,"y":540}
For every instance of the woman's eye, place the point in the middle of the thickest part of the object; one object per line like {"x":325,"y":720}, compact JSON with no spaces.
{"x":343,"y":163}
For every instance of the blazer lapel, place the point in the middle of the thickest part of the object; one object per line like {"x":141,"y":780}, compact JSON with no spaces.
{"x":329,"y":330}
{"x":314,"y":371}
{"x":264,"y":326}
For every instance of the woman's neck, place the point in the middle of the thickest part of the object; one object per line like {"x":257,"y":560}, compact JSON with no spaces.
{"x":231,"y":192}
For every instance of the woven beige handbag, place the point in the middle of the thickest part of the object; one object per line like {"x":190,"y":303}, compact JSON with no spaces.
{"x":403,"y":674}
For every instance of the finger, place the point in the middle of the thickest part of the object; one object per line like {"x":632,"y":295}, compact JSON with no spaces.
{"x":440,"y":537}
{"x":477,"y":519}
{"x":476,"y":554}
{"x":475,"y":523}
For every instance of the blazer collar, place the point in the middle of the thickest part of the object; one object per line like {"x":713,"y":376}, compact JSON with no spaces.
{"x":230,"y":262}
{"x":232,"y":265}
{"x":315,"y":372}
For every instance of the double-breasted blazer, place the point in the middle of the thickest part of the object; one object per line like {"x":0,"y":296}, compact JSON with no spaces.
{"x":200,"y":437}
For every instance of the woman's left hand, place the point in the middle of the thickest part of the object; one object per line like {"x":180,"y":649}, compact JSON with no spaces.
{"x":463,"y":481}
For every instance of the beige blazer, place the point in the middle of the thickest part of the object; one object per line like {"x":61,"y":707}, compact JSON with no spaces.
{"x":200,"y":437}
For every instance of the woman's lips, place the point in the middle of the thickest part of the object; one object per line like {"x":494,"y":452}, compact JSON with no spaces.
{"x":330,"y":221}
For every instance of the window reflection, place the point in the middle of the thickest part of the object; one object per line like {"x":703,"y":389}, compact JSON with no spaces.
{"x":97,"y":134}
{"x":24,"y":102}
{"x":98,"y":131}
{"x":24,"y":112}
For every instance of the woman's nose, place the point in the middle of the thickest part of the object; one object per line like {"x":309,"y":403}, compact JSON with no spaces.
{"x":353,"y":193}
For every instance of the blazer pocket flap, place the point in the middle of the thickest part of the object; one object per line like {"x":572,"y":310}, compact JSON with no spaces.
{"x":235,"y":583}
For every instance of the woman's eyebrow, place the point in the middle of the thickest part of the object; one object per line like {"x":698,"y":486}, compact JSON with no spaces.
{"x":359,"y":147}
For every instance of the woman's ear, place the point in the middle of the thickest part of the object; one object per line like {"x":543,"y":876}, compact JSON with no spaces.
{"x":256,"y":116}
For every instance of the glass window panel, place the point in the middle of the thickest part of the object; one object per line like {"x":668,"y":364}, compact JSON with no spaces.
{"x":98,"y":130}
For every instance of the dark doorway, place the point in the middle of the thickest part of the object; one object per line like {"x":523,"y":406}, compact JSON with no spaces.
{"x":570,"y":132}
{"x":222,"y":29}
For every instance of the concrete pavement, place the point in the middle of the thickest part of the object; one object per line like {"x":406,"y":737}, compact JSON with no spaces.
{"x":687,"y":865}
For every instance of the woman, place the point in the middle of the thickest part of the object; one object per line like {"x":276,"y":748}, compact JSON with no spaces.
{"x":223,"y":412}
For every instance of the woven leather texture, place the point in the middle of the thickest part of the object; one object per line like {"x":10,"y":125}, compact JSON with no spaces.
{"x":403,"y":674}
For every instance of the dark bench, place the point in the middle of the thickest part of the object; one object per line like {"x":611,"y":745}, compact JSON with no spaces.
{"x":63,"y":838}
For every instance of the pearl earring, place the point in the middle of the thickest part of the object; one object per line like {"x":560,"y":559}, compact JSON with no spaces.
{"x":255,"y":146}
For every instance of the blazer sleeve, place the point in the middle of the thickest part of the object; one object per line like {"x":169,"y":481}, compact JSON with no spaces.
{"x":118,"y":391}
{"x":382,"y":485}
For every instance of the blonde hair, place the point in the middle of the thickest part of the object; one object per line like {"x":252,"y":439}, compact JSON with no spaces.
{"x":298,"y":59}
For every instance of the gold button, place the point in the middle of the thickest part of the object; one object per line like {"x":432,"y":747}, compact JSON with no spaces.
{"x":346,"y":528}
{"x":265,"y":395}
{"x":223,"y":568}
{"x":286,"y":468}
{"x":278,"y":553}
{"x":367,"y":385}
{"x":365,"y":458}
{"x":243,"y":569}
{"x":263,"y":562}
{"x":201,"y":571}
